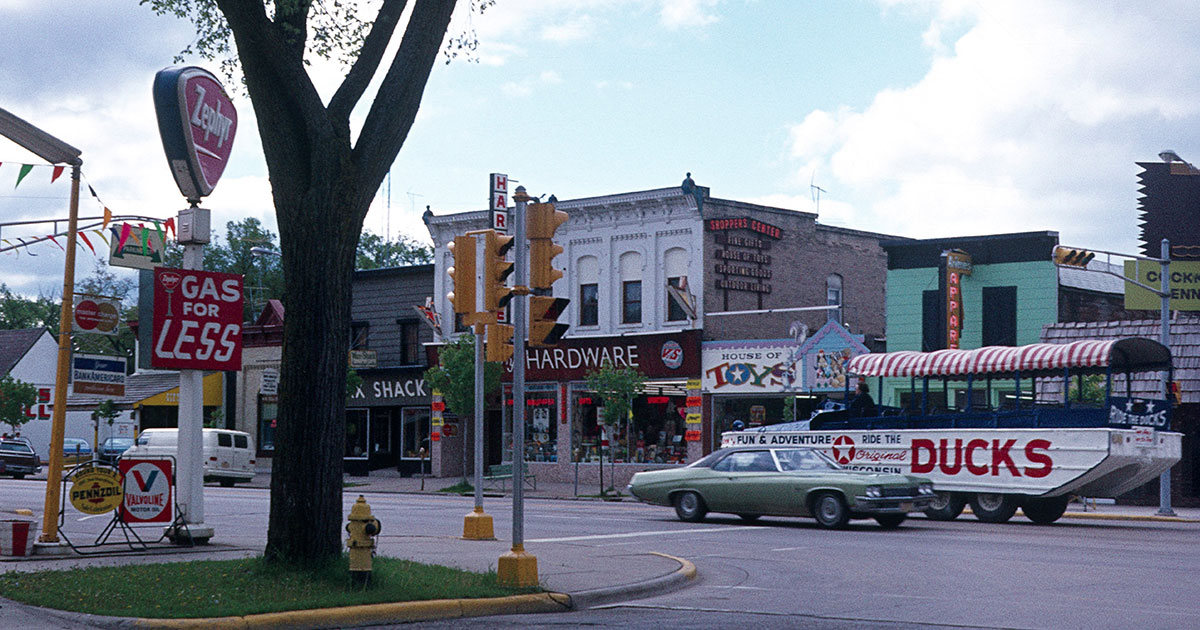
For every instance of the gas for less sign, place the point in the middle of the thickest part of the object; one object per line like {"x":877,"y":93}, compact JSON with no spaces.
{"x":197,"y":320}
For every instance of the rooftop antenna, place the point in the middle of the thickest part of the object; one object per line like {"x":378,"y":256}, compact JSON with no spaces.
{"x":412,"y":202}
{"x":816,"y":191}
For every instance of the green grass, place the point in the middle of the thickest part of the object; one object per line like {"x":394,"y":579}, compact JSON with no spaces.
{"x":220,"y":588}
{"x":461,"y":487}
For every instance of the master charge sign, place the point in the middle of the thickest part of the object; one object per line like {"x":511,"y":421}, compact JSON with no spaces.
{"x":197,"y":320}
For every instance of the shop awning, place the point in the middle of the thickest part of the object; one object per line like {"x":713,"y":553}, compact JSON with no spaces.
{"x":1133,"y":354}
{"x":170,"y":398}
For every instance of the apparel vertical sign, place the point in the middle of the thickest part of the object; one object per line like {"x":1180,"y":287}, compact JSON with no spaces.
{"x":956,"y":264}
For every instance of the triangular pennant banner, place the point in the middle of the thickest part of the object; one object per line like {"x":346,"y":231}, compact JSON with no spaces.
{"x":87,"y":242}
{"x":25,"y":168}
{"x":124,"y":237}
{"x":170,"y":225}
{"x":55,"y":241}
{"x":107,"y":217}
{"x":26,"y":245}
{"x":58,"y":170}
{"x":93,"y":191}
{"x":145,"y":239}
{"x":100,"y":235}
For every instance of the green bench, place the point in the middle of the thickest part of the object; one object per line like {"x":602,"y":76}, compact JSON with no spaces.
{"x":501,"y":474}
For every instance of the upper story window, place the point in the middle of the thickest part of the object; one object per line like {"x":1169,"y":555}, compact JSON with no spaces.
{"x":359,"y":331}
{"x":631,"y":288}
{"x":410,"y":341}
{"x":833,"y":296}
{"x":588,"y":270}
{"x":675,"y":262}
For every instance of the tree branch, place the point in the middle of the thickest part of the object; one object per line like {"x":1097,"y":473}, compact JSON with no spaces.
{"x":364,"y":67}
{"x":395,"y":107}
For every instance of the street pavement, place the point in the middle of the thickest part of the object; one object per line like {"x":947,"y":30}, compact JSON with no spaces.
{"x":575,"y":576}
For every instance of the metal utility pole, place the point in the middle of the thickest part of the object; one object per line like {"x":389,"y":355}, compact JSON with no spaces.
{"x":1164,"y":480}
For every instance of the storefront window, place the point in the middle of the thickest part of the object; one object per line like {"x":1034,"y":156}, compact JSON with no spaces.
{"x":654,"y":434}
{"x":415,"y":432}
{"x":541,"y":430}
{"x":268,"y":413}
{"x":356,"y":433}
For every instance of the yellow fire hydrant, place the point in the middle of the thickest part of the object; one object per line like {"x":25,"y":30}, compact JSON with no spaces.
{"x":362,"y":527}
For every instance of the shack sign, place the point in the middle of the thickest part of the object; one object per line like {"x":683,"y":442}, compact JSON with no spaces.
{"x":197,"y":122}
{"x":197,"y":320}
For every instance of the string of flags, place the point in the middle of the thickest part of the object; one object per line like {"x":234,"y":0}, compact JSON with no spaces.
{"x":139,"y":233}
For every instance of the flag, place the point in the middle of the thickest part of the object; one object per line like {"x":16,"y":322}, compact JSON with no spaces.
{"x":107,"y":216}
{"x":87,"y":242}
{"x":124,"y":237}
{"x":55,"y":241}
{"x":58,"y":170}
{"x":25,"y":168}
{"x":170,"y":225}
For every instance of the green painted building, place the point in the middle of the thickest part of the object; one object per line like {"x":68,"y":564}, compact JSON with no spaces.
{"x":1009,"y":288}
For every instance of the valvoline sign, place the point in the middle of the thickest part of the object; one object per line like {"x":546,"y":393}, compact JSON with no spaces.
{"x":147,"y":485}
{"x":197,"y":320}
{"x":197,"y":122}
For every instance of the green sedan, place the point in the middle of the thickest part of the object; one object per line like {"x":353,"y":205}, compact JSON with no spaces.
{"x":782,"y":481}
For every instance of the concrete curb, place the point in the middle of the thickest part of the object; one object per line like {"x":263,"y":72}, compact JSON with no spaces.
{"x":1130,"y":517}
{"x":654,"y":586}
{"x":366,"y":615}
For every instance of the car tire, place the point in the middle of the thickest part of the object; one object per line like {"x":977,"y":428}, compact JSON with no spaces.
{"x":830,"y":510}
{"x":689,"y":506}
{"x":749,"y":518}
{"x":18,"y":475}
{"x":1045,"y":511}
{"x":993,"y":508}
{"x":890,"y":521}
{"x":946,"y":506}
{"x":226,"y":483}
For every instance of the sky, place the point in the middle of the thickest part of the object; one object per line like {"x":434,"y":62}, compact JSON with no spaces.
{"x":915,"y":118}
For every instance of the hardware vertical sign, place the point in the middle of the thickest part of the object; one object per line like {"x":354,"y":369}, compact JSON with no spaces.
{"x":498,"y":185}
{"x":197,"y":320}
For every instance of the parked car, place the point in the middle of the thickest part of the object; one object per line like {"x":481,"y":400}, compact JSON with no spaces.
{"x":112,"y":448}
{"x":228,"y":455}
{"x":782,"y":481}
{"x":77,"y":446}
{"x":19,"y":458}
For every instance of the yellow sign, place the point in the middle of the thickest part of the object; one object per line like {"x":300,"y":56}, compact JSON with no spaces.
{"x":693,"y":383}
{"x":692,"y":418}
{"x":96,"y":490}
{"x":1184,"y":285}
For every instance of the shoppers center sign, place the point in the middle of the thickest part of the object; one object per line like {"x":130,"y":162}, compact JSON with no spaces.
{"x":197,"y":320}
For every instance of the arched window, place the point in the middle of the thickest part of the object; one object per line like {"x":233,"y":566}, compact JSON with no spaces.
{"x":631,"y":288}
{"x":675,"y":266}
{"x":588,"y":268}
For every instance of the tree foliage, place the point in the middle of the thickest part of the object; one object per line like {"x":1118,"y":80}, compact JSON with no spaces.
{"x":617,"y":386}
{"x":454,"y":376}
{"x":323,"y":179}
{"x":375,"y":252}
{"x":17,"y":312}
{"x":15,"y":397}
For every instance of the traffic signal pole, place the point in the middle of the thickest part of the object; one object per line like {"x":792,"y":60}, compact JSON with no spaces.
{"x":478,"y":525}
{"x":1164,"y":480}
{"x":518,"y":568}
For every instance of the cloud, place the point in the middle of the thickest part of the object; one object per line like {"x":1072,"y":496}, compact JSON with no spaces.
{"x":677,"y":14}
{"x":574,"y":28}
{"x":1030,"y":120}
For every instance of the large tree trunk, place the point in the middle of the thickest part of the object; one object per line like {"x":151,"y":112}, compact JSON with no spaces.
{"x":322,"y":187}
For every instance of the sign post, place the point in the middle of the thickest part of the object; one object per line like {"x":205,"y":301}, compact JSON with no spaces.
{"x":197,"y":122}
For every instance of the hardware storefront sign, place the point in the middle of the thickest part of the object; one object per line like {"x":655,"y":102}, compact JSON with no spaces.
{"x":197,"y":320}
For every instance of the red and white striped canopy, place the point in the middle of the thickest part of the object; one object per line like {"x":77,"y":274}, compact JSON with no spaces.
{"x":1135,"y":353}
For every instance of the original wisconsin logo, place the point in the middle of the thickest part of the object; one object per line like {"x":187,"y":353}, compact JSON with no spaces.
{"x":672,"y":355}
{"x":197,"y":122}
{"x":843,"y":449}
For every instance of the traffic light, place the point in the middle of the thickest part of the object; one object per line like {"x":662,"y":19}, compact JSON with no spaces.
{"x":463,"y":274}
{"x":541,"y":221}
{"x":1072,"y":257}
{"x":499,"y":342}
{"x":544,"y":330}
{"x":496,"y":271}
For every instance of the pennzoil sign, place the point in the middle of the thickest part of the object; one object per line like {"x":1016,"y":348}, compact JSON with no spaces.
{"x":96,"y":489}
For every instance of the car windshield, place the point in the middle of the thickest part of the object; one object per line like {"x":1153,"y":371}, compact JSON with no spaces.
{"x":115,"y":443}
{"x":804,"y":459}
{"x":16,"y":447}
{"x":707,"y":460}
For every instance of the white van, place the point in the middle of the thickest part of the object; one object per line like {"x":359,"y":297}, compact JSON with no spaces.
{"x":228,"y":455}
